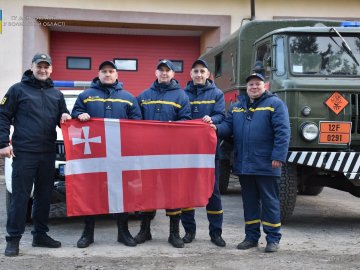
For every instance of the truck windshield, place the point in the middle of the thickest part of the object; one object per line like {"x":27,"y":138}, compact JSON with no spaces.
{"x":320,"y":55}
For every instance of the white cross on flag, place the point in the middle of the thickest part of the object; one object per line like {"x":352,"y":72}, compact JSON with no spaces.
{"x":116,"y":166}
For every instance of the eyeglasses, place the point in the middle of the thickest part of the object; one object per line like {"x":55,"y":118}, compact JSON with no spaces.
{"x":202,"y":71}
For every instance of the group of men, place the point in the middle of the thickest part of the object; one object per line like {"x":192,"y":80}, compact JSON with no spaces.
{"x":258,"y":122}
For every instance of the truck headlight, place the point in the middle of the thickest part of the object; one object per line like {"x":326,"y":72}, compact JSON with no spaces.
{"x":309,"y":131}
{"x":306,"y":111}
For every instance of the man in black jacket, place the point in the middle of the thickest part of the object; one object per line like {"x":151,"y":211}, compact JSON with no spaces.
{"x":34,"y":107}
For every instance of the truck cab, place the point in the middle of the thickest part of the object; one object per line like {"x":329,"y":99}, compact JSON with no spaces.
{"x":313,"y":66}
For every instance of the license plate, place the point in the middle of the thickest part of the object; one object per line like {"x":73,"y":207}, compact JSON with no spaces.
{"x":62,"y":169}
{"x":332,"y":132}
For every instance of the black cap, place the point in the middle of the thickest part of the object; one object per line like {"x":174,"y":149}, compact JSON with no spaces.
{"x":167,"y":63}
{"x":41,"y":57}
{"x":107,"y":63}
{"x":255,"y":75}
{"x":200,"y":62}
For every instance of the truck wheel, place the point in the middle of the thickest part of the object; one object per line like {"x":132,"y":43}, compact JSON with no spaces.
{"x":29,"y":207}
{"x":224,"y":175}
{"x":287,"y":191}
{"x":310,"y":190}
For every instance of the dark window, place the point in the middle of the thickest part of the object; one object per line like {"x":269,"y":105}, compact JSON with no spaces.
{"x":218,"y":65}
{"x":126,"y":64}
{"x":263,"y":60}
{"x":178,"y":65}
{"x":74,"y":62}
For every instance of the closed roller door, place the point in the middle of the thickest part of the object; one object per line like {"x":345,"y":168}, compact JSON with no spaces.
{"x":146,"y":49}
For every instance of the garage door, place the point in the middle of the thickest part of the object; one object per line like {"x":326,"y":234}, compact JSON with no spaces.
{"x":76,"y":56}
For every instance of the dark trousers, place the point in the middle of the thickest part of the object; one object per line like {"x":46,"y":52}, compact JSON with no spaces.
{"x":169,"y":212}
{"x":261,"y":205}
{"x":213,"y":209}
{"x":119,"y":217}
{"x":30,"y":169}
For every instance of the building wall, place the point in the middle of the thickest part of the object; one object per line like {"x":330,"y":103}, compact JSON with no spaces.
{"x":11,"y":40}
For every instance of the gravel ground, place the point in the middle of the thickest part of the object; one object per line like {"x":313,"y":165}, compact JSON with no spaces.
{"x":322,"y":234}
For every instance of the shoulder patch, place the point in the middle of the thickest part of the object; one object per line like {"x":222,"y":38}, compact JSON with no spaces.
{"x":3,"y":101}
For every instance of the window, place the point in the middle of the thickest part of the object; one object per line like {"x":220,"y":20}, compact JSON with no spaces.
{"x":263,"y":60}
{"x":280,"y":56}
{"x":218,"y":65}
{"x":126,"y":64}
{"x":178,"y":65}
{"x":324,"y":55}
{"x":74,"y":62}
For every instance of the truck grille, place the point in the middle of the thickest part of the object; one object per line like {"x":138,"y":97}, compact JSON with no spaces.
{"x":355,"y":114}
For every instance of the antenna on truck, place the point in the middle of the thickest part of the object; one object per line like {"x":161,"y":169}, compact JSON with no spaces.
{"x":252,"y":4}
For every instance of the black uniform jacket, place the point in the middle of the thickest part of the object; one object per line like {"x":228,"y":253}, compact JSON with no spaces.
{"x":34,"y":108}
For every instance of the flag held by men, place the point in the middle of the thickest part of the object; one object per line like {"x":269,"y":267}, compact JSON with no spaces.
{"x":116,"y":166}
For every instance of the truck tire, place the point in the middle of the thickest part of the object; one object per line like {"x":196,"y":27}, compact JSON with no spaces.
{"x":224,"y":175}
{"x":287,"y":191}
{"x":29,"y":207}
{"x":310,"y":190}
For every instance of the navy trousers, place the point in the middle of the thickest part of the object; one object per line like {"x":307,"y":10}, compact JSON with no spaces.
{"x":213,"y":208}
{"x":261,"y":202}
{"x":30,"y":169}
{"x":169,"y":212}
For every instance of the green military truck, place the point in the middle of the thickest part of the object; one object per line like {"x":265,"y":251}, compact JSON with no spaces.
{"x":313,"y":66}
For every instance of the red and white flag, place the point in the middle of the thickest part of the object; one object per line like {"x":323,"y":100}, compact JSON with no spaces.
{"x":116,"y":166}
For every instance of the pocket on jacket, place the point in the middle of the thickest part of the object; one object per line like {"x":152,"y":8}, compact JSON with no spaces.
{"x":263,"y":151}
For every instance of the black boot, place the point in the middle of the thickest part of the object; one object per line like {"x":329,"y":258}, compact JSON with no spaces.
{"x":144,"y":233}
{"x":12,"y":247}
{"x":43,"y":240}
{"x":87,"y":236}
{"x":174,"y":237}
{"x":124,"y":235}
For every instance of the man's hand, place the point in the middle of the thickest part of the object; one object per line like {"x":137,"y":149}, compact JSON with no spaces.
{"x":65,"y":117}
{"x":276,"y":164}
{"x":213,"y":127}
{"x":207,"y":119}
{"x":7,"y":152}
{"x":84,"y":117}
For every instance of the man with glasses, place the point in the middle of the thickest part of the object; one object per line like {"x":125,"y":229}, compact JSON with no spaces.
{"x":207,"y":103}
{"x":259,"y":123}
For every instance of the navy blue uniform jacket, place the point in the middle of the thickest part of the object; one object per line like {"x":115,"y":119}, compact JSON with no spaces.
{"x":206,"y":100}
{"x":34,"y":108}
{"x":261,"y":134}
{"x":164,"y":102}
{"x":107,"y":101}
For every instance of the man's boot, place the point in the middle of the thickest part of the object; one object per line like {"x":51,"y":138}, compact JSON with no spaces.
{"x":174,"y":237}
{"x":87,"y":236}
{"x":12,"y":247}
{"x":144,"y":233}
{"x":124,"y":235}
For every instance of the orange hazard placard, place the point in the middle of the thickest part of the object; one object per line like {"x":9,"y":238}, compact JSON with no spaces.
{"x":336,"y":102}
{"x":335,"y":132}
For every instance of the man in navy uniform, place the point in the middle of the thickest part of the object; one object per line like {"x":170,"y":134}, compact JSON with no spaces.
{"x":163,"y":101}
{"x":207,"y":103}
{"x":259,"y":123}
{"x":106,"y":99}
